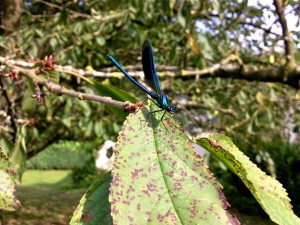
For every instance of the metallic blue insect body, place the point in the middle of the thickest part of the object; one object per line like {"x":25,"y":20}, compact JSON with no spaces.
{"x":152,"y":77}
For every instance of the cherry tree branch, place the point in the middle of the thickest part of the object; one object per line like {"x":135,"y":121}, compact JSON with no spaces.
{"x":59,"y":89}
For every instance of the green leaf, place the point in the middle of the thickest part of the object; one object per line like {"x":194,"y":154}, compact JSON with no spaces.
{"x":158,"y":178}
{"x":100,"y":40}
{"x":87,"y":37}
{"x":180,"y":16}
{"x":67,"y":121}
{"x":28,"y":103}
{"x":116,"y":94}
{"x":268,"y":192}
{"x":98,"y":128}
{"x":173,"y":53}
{"x":181,"y":19}
{"x":242,"y":98}
{"x":89,"y":128}
{"x":64,"y":16}
{"x":94,"y":207}
{"x":39,"y":32}
{"x":53,"y":42}
{"x":18,"y":153}
{"x":205,"y":47}
{"x":8,"y":199}
{"x":201,"y":64}
{"x":54,"y":76}
{"x":77,"y":28}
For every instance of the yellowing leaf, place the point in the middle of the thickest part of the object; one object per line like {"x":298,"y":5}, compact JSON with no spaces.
{"x":172,"y":4}
{"x":195,"y":46}
{"x":297,"y":96}
{"x":271,"y":59}
{"x":260,"y":98}
{"x":89,"y":69}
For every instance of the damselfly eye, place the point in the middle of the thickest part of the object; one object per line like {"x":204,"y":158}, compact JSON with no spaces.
{"x":172,"y":109}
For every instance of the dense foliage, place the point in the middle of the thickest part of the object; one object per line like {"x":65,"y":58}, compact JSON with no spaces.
{"x":190,"y":39}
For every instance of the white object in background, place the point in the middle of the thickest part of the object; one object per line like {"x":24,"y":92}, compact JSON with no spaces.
{"x":201,"y":151}
{"x":105,"y":158}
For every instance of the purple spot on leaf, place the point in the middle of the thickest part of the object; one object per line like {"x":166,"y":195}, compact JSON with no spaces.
{"x":170,"y":174}
{"x":135,"y":173}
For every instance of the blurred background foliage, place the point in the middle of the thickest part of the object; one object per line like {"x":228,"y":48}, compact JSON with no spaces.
{"x":261,"y":118}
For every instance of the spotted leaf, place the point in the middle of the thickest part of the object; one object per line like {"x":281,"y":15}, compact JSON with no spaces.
{"x":158,"y":178}
{"x":8,"y":199}
{"x":268,"y":192}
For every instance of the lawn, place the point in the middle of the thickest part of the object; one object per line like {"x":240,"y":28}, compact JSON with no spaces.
{"x":46,"y":197}
{"x":50,"y":198}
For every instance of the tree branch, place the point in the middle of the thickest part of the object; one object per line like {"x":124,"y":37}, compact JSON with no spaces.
{"x":231,"y":67}
{"x":288,"y":42}
{"x":58,"y":89}
{"x":262,"y":74}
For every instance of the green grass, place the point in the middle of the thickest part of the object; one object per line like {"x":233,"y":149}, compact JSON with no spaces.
{"x":44,"y":177}
{"x":46,"y":198}
{"x":49,"y":198}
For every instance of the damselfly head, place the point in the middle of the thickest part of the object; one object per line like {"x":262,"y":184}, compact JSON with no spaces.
{"x":171,"y":109}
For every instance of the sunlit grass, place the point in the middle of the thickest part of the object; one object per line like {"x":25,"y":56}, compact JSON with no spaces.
{"x":42,"y":177}
{"x":46,"y":198}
